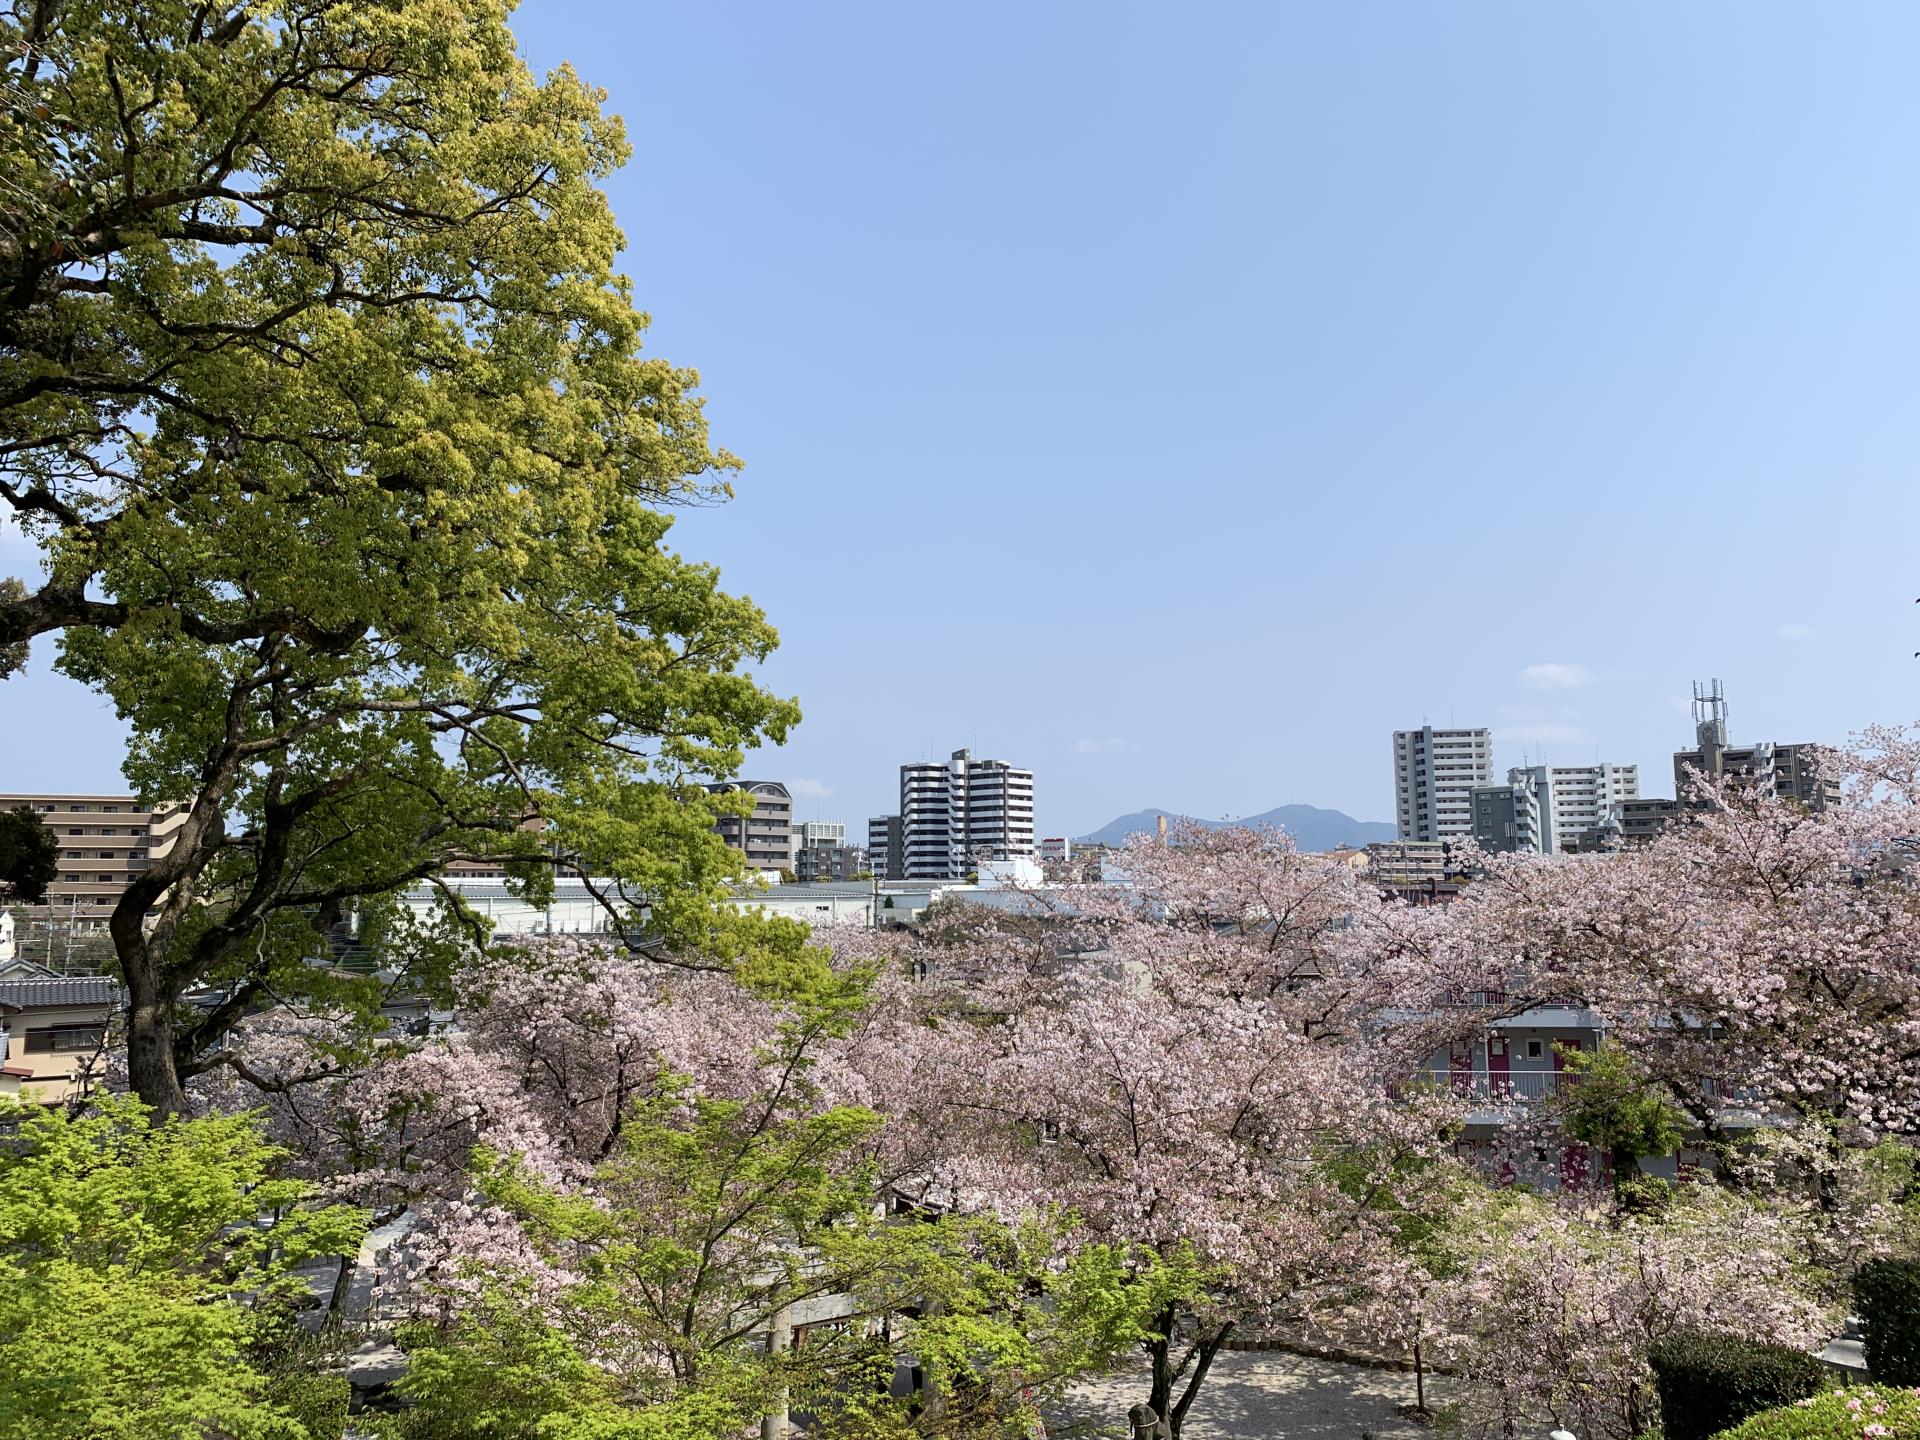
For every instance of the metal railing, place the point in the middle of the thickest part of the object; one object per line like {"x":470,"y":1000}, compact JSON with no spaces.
{"x":1496,"y":1087}
{"x":1500,"y":999}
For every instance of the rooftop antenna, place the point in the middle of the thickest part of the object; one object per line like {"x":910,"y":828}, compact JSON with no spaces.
{"x":1710,"y":715}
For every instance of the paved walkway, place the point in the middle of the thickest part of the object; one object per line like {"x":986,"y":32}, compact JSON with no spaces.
{"x":1251,"y":1394}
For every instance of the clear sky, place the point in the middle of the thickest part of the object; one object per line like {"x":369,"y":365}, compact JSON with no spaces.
{"x":1178,"y":399}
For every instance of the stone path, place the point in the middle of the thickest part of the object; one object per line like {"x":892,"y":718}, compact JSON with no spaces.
{"x":1251,"y":1394}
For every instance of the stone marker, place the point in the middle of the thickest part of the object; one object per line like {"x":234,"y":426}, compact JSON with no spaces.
{"x":1147,"y":1425}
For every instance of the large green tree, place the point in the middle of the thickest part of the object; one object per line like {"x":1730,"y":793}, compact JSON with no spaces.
{"x":144,"y":1270}
{"x":29,"y":856}
{"x":321,"y":396}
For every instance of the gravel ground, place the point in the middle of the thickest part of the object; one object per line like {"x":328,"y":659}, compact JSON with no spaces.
{"x":1256,"y":1393}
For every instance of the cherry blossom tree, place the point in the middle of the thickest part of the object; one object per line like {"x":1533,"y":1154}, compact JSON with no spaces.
{"x":1553,"y":1307}
{"x":1189,"y":1064}
{"x":638,"y":1172}
{"x":1759,"y":960}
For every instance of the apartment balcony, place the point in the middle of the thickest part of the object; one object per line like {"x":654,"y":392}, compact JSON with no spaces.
{"x":1547,"y":1012}
{"x":1498,"y":1097}
{"x":1497,"y":1089}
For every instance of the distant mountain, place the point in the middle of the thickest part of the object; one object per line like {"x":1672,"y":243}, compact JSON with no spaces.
{"x":1311,"y":827}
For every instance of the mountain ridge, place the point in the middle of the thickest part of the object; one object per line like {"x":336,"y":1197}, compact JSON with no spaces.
{"x":1311,"y":827}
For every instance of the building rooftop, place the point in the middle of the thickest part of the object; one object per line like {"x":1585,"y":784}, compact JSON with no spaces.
{"x":803,"y":890}
{"x":70,"y":990}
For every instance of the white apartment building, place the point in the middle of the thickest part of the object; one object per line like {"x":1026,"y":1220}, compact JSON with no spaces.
{"x":955,"y":815}
{"x":1434,"y":775}
{"x":1577,"y":801}
{"x":809,"y":833}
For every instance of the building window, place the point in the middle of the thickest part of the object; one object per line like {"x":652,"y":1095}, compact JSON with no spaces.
{"x":65,"y":1039}
{"x":1536,"y":1050}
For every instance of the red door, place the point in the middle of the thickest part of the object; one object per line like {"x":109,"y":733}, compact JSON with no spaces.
{"x":1560,"y":1063}
{"x":1462,"y":1058}
{"x":1499,"y":1081}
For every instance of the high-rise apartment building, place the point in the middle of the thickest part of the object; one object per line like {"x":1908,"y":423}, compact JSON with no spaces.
{"x":955,"y":815}
{"x":1768,"y":768}
{"x":1771,"y":768}
{"x":766,"y":836}
{"x":887,"y":847}
{"x":1507,"y":818}
{"x":1434,"y":774}
{"x":105,"y":840}
{"x":1578,"y":802}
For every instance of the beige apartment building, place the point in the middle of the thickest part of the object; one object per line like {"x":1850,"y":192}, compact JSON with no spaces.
{"x":105,"y":840}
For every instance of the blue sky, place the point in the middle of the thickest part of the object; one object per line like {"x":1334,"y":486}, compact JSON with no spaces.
{"x":1177,"y":400}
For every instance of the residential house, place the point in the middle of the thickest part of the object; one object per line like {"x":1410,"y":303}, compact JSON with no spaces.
{"x":53,"y":1029}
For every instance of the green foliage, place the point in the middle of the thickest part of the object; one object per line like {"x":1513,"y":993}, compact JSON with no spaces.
{"x":13,"y":657}
{"x":1887,"y":1296}
{"x":1857,"y":1412}
{"x":316,"y":1403}
{"x":1608,"y":1104}
{"x":502,"y":1372}
{"x":327,"y":408}
{"x":1647,"y":1196}
{"x":140,"y":1266}
{"x":29,"y":856}
{"x":1710,"y":1381}
{"x":647,"y":1311}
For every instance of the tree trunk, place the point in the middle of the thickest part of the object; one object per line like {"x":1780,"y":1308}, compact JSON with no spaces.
{"x":1161,"y":1396}
{"x":773,"y":1425}
{"x":337,"y":1300}
{"x":1202,"y":1363}
{"x":150,"y":1065}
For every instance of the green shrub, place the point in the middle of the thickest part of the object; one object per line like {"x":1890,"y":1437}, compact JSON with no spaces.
{"x":1887,"y":1295}
{"x":1708,"y":1382}
{"x":1859,"y":1412}
{"x":317,"y":1402}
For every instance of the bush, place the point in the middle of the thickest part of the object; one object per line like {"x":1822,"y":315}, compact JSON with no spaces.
{"x":317,"y":1402}
{"x":1859,"y":1412}
{"x":1887,"y":1295}
{"x":1708,"y":1382}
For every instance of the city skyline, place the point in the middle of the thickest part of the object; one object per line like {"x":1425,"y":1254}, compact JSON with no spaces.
{"x":1308,"y":376}
{"x":80,"y":745}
